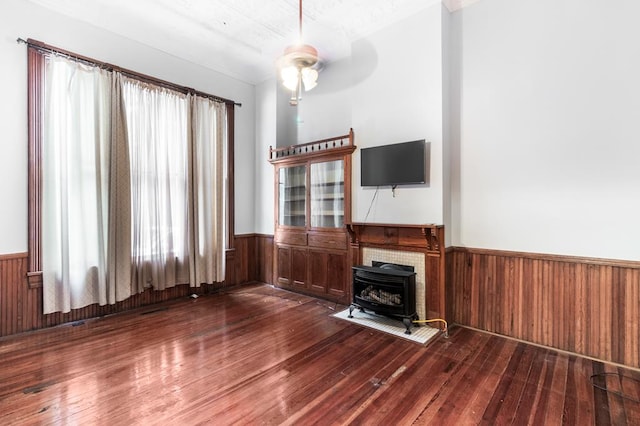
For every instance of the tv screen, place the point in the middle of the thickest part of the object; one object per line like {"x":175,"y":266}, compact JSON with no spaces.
{"x":395,"y":164}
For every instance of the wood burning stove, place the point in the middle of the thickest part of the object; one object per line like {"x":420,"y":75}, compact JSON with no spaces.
{"x":386,"y":289}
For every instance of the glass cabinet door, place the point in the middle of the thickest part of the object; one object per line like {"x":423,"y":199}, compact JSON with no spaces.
{"x":327,"y":194}
{"x":292,"y":195}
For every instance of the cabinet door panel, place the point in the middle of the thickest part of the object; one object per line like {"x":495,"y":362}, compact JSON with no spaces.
{"x":338,"y":281}
{"x":299,"y":267}
{"x":284,"y":266}
{"x":319,"y":262}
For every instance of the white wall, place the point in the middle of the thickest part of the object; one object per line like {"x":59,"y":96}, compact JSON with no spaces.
{"x":325,"y":111}
{"x":549,"y":106}
{"x":447,"y":126}
{"x":539,"y":125}
{"x":266,"y":123}
{"x":25,"y":20}
{"x":389,"y":91}
{"x":286,"y":116}
{"x":397,"y":97}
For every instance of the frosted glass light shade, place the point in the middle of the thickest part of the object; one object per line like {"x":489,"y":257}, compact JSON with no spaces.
{"x":289,"y":77}
{"x":309,"y":78}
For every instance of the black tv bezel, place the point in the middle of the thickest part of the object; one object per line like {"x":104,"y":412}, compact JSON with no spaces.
{"x":423,"y":145}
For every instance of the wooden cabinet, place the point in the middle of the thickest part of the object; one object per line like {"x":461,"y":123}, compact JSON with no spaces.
{"x":312,"y":205}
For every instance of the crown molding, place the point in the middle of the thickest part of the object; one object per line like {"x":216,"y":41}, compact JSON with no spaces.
{"x":454,"y":5}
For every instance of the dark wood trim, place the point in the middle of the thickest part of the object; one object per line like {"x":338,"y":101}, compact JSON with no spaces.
{"x":34,"y":279}
{"x":35,"y":116}
{"x":231,"y":187}
{"x":11,"y":256}
{"x":253,"y":235}
{"x":259,"y":235}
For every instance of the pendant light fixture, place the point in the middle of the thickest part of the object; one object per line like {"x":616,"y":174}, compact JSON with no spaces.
{"x":298,"y":66}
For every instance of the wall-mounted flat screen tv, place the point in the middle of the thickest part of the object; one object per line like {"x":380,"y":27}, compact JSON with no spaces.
{"x":395,"y":164}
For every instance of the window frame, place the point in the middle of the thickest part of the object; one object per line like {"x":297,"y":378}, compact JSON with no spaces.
{"x":35,"y":113}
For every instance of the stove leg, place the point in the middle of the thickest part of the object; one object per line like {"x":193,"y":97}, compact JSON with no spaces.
{"x":351,"y":308}
{"x":407,"y":323}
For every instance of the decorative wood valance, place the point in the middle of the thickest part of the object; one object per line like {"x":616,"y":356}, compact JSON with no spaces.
{"x":338,"y":145}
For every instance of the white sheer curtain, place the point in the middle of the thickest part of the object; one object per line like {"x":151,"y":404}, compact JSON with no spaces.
{"x":209,"y":136}
{"x":75,"y":200}
{"x":134,"y":179}
{"x":158,"y":135}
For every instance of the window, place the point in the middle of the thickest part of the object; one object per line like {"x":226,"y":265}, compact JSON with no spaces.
{"x":157,"y":134}
{"x":127,"y":182}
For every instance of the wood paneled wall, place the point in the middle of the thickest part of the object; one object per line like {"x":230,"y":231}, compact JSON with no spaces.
{"x":264,"y":256}
{"x":586,"y":306}
{"x":21,"y":306}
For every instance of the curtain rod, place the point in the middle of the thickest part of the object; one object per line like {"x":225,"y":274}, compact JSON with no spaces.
{"x":143,"y":77}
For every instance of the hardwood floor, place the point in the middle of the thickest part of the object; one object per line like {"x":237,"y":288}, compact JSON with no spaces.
{"x":259,"y":355}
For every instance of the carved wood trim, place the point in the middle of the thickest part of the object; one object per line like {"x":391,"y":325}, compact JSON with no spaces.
{"x":430,"y":233}
{"x":339,"y":145}
{"x":34,"y":279}
{"x":425,"y":237}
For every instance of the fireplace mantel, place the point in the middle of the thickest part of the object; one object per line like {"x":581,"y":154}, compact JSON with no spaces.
{"x":422,"y":236}
{"x":427,"y":239}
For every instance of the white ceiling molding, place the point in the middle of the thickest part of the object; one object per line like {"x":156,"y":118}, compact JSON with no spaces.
{"x":453,"y":5}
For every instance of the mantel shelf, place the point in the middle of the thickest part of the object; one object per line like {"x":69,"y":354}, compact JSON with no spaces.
{"x":425,"y":236}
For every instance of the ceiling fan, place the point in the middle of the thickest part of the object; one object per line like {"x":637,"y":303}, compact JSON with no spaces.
{"x":299,"y":66}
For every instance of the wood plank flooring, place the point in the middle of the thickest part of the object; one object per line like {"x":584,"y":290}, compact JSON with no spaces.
{"x":259,"y":355}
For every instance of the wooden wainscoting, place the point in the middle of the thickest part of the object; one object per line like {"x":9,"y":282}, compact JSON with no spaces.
{"x":581,"y":305}
{"x":264,"y":258}
{"x":21,"y":305}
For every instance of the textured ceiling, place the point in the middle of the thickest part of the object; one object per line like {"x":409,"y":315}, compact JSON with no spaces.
{"x":241,"y":38}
